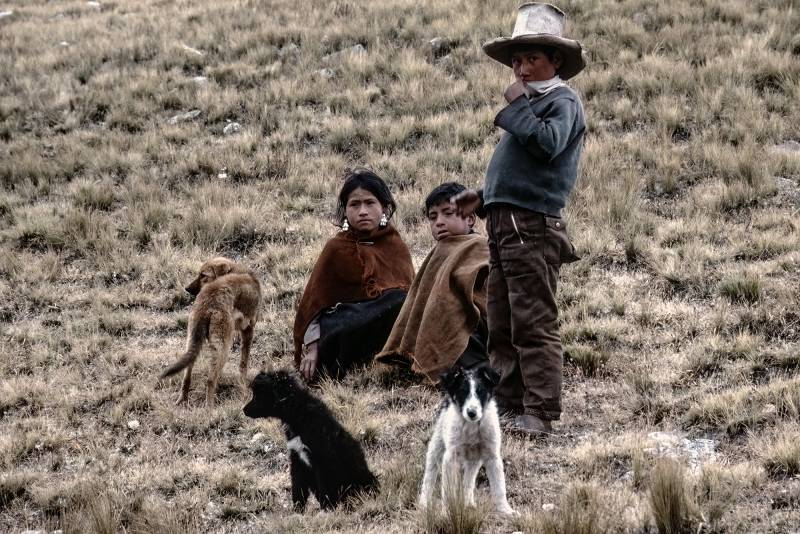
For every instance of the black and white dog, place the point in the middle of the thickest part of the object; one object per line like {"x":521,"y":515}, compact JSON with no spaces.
{"x":466,"y":436}
{"x":325,"y":459}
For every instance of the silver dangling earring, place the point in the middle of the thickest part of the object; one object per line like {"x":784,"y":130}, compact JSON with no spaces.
{"x":345,"y":225}
{"x":384,"y":220}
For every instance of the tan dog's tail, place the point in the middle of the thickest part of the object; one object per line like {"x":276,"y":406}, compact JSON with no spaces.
{"x":199,"y":334}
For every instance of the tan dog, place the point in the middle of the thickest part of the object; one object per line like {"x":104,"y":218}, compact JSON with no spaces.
{"x":228,"y":300}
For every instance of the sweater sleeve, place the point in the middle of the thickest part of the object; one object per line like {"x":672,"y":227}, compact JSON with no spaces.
{"x":480,"y":211}
{"x":544,"y":137}
{"x":312,"y":332}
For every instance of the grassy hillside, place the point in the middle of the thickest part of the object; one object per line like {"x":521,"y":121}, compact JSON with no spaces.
{"x":681,"y":318}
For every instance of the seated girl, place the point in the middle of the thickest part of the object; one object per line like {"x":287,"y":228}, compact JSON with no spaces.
{"x":357,"y":286}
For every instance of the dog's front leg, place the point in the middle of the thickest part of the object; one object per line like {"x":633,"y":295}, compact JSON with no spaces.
{"x":450,"y":478}
{"x":302,"y":478}
{"x":497,"y":484}
{"x":470,"y":475}
{"x":433,"y":460}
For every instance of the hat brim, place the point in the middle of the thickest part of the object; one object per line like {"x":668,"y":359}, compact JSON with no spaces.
{"x":573,"y":60}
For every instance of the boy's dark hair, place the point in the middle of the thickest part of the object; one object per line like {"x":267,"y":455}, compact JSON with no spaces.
{"x":441,"y":194}
{"x":369,"y":181}
{"x":549,"y":51}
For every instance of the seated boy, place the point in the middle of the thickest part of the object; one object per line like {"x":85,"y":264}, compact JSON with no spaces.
{"x":443,"y":319}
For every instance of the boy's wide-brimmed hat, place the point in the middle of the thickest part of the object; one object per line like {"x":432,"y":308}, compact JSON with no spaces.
{"x":539,"y":24}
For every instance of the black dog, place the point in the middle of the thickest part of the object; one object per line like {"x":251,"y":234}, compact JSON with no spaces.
{"x":325,"y":458}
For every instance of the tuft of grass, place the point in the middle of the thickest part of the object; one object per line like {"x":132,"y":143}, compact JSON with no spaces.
{"x":400,"y":483}
{"x":579,"y":512}
{"x":606,"y":458}
{"x":161,"y":516}
{"x":116,"y":324}
{"x":14,"y":486}
{"x":590,"y":361}
{"x":741,"y":288}
{"x":715,"y":353}
{"x":455,"y":517}
{"x":38,"y":439}
{"x":716,"y":490}
{"x":102,"y":516}
{"x":781,"y":459}
{"x":95,"y":196}
{"x":739,"y":410}
{"x":673,"y":510}
{"x":55,"y":498}
{"x":351,"y":409}
{"x":648,"y":398}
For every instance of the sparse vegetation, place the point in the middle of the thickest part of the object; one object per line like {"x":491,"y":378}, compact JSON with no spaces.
{"x":682,"y":313}
{"x":579,"y":511}
{"x":781,"y":458}
{"x":673,"y":509}
{"x":454,"y":515}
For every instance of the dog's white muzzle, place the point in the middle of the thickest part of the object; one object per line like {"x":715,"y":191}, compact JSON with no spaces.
{"x":472,"y":410}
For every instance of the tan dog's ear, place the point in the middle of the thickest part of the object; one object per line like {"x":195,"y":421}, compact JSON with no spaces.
{"x":221,"y":269}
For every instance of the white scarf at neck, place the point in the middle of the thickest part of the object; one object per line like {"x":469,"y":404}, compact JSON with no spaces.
{"x":545,"y":86}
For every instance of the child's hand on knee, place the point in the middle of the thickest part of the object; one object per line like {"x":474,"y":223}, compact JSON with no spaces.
{"x":308,"y":363}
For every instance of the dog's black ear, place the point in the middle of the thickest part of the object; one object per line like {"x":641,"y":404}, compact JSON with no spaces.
{"x":491,"y":376}
{"x":449,"y":378}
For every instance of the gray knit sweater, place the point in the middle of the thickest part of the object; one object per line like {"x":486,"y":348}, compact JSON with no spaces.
{"x":535,"y":164}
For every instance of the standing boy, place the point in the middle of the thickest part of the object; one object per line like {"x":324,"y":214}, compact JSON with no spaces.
{"x":443,"y":319}
{"x":531,"y":174}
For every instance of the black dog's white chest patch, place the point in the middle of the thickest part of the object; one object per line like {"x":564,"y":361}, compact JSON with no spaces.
{"x":296,"y":444}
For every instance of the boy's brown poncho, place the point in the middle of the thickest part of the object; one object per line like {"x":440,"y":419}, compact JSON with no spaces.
{"x":442,"y":308}
{"x":350,"y":270}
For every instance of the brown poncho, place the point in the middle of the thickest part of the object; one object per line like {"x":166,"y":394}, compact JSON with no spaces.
{"x":442,"y":308}
{"x":350,"y":269}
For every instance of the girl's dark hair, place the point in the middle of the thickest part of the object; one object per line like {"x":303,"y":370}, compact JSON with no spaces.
{"x":369,"y":181}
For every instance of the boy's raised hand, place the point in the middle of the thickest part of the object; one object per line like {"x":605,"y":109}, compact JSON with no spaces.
{"x":466,"y":202}
{"x":515,"y":90}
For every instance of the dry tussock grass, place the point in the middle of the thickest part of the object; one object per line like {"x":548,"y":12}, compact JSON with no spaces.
{"x":682,"y":314}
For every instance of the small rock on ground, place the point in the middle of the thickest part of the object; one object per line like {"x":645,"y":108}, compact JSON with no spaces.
{"x":696,"y":451}
{"x":232,"y":128}
{"x":192,"y":50}
{"x":288,"y":50}
{"x":357,"y":50}
{"x":189,"y":115}
{"x":438,"y":47}
{"x":790,"y":146}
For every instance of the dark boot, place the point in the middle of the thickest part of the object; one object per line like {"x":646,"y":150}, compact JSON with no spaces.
{"x":531,"y":425}
{"x":507,"y":411}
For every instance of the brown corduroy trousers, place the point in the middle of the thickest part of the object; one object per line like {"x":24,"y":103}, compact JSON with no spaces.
{"x":526,"y":251}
